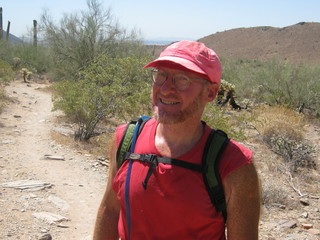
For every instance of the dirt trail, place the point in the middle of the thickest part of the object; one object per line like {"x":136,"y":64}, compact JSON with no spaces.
{"x":77,"y":182}
{"x":77,"y":186}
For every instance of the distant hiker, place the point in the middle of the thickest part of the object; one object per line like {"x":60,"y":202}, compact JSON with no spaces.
{"x":165,"y":172}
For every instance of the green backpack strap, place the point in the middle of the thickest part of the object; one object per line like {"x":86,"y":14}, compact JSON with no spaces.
{"x":126,"y":140}
{"x":216,"y":143}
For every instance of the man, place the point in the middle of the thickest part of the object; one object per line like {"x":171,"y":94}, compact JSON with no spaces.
{"x":173,"y":203}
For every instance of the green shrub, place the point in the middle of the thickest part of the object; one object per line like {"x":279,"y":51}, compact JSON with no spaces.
{"x":108,"y":88}
{"x":233,"y":123}
{"x":6,"y":53}
{"x":37,"y":58}
{"x":6,"y":73}
{"x":275,"y":82}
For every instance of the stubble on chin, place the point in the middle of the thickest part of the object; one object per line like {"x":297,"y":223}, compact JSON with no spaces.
{"x":165,"y":117}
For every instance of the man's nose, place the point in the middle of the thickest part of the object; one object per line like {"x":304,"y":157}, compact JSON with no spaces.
{"x":168,"y":83}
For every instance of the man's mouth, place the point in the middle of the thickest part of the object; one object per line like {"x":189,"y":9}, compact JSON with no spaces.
{"x":168,"y":102}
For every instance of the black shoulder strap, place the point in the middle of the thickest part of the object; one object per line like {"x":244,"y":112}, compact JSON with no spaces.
{"x":216,"y":143}
{"x":126,"y":140}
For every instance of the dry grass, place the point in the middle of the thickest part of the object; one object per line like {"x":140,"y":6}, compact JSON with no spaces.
{"x":2,"y":99}
{"x":278,"y":120}
{"x":283,"y":179}
{"x":96,"y":146}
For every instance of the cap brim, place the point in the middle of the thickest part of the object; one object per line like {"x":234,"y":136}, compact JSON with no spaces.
{"x":180,"y":61}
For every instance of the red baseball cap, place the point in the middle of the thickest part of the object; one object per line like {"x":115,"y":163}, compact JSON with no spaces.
{"x":194,"y":56}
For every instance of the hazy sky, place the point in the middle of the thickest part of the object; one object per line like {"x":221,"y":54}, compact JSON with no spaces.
{"x":170,"y":19}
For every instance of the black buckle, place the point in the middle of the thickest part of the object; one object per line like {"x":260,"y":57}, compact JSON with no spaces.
{"x":150,"y":158}
{"x":153,"y":160}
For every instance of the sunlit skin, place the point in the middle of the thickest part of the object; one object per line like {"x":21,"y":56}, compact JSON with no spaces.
{"x":180,"y":111}
{"x":172,"y":106}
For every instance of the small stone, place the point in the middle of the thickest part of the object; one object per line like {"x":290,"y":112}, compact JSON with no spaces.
{"x":27,"y":185}
{"x":304,"y":202}
{"x":8,"y":141}
{"x":288,"y":224}
{"x":50,"y":217}
{"x":62,"y":226}
{"x":307,"y":225}
{"x":54,"y":157}
{"x":59,"y":203}
{"x":46,"y":236}
{"x":305,"y":215}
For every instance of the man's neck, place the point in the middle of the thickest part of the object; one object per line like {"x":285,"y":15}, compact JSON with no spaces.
{"x":173,"y":140}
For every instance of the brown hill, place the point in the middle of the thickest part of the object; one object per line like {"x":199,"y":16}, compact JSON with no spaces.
{"x":296,"y":43}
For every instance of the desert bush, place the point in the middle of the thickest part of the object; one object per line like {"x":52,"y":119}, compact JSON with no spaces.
{"x":38,"y":58}
{"x":6,"y":73}
{"x":282,"y":129}
{"x":296,"y":154}
{"x":107,"y":88}
{"x":26,"y":55}
{"x":6,"y":53}
{"x":275,"y":82}
{"x":2,"y":98}
{"x":231,"y":122}
{"x":25,"y":74}
{"x":273,"y":194}
{"x":79,"y":38}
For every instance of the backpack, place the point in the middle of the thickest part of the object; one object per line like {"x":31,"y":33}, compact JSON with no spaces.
{"x":216,"y":143}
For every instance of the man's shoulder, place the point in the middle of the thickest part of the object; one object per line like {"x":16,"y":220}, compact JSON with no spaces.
{"x":121,"y":128}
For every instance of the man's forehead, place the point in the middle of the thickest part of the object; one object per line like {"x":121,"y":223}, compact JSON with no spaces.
{"x":184,"y":71}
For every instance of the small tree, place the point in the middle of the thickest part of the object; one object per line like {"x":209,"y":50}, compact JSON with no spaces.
{"x":79,"y":38}
{"x":107,"y":88}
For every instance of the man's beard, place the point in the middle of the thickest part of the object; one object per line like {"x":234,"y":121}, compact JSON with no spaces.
{"x":191,"y":111}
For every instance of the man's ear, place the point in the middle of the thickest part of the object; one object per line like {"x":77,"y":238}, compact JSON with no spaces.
{"x":212,"y":91}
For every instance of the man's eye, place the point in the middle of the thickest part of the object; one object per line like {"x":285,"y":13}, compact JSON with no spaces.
{"x":162,"y":74}
{"x":181,"y":78}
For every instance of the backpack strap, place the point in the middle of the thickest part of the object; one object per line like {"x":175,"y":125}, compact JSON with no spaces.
{"x":126,"y":140}
{"x":154,"y":160}
{"x":216,"y":143}
{"x":127,"y":143}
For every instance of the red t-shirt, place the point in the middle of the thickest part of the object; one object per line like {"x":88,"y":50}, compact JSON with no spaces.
{"x":176,"y":204}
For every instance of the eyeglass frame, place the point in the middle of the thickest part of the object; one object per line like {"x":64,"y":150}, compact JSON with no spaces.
{"x":154,"y":74}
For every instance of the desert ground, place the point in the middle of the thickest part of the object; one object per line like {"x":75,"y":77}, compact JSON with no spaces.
{"x":49,"y":190}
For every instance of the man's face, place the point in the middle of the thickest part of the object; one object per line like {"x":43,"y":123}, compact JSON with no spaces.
{"x":171,"y":105}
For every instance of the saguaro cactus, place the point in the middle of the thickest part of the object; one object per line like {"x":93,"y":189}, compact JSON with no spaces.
{"x":1,"y":25}
{"x":8,"y":31}
{"x":35,"y":37}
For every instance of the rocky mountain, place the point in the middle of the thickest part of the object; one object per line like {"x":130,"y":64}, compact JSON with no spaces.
{"x":296,"y":43}
{"x":12,"y":38}
{"x":299,"y":43}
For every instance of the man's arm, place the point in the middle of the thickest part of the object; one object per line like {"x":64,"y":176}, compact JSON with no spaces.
{"x":106,"y":227}
{"x":243,"y":203}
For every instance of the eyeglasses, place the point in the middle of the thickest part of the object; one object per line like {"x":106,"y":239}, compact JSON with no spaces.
{"x":179,"y":80}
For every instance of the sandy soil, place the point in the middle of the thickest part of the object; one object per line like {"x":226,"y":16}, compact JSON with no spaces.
{"x":77,"y":185}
